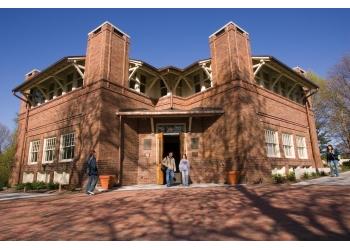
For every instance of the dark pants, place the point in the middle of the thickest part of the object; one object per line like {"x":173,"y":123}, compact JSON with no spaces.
{"x":91,"y":183}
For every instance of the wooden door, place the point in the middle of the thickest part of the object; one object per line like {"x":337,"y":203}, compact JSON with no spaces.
{"x":159,"y":158}
{"x":183,"y":144}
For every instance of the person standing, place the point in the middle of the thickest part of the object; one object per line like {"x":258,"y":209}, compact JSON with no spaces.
{"x":337,"y":158}
{"x":169,"y":163}
{"x":184,"y":167}
{"x":331,"y":161}
{"x":92,"y":172}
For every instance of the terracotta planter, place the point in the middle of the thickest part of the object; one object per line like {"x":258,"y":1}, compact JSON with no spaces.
{"x":106,"y":181}
{"x":233,"y":177}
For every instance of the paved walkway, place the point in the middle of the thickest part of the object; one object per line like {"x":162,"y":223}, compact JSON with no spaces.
{"x":343,"y":179}
{"x":156,"y":187}
{"x":15,"y":196}
{"x":265,"y":212}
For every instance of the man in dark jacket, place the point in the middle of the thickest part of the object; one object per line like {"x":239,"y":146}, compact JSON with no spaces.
{"x":92,"y":172}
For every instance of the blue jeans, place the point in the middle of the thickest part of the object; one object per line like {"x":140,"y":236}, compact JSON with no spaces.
{"x":169,"y":177}
{"x":91,"y":183}
{"x":334,"y":168}
{"x":184,"y":177}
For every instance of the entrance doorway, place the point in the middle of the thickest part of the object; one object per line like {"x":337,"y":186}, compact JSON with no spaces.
{"x":165,"y":143}
{"x":171,"y":143}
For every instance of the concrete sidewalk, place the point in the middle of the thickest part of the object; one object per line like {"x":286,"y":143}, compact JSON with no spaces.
{"x":343,"y":179}
{"x":16,"y":196}
{"x":156,"y":187}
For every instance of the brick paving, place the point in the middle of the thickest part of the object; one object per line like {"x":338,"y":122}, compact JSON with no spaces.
{"x":215,"y":213}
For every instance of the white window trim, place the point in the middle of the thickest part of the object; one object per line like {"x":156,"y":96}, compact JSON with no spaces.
{"x":293,"y":148}
{"x":61,"y":148}
{"x":304,"y":142}
{"x":30,"y":153}
{"x":44,"y":150}
{"x":278,"y":155}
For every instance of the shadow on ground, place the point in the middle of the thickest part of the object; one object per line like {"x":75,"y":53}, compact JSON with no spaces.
{"x":233,"y":213}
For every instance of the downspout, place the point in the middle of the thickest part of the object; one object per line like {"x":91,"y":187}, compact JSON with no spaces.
{"x":313,"y":146}
{"x":120,"y":150}
{"x":24,"y":135}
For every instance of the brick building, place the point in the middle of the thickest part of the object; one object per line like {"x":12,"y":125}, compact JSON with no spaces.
{"x":233,"y":111}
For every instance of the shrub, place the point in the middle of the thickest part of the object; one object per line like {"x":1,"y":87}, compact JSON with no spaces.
{"x":346,"y":164}
{"x":306,"y":176}
{"x":37,"y":186}
{"x":291,"y":176}
{"x":322,"y":173}
{"x":52,"y":186}
{"x":278,"y":179}
{"x":314,"y":175}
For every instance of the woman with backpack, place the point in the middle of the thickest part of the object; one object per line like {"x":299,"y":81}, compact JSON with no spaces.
{"x":332,"y":161}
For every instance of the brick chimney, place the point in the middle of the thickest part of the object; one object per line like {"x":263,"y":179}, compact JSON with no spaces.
{"x":107,"y":55}
{"x":231,"y":55}
{"x":31,"y":74}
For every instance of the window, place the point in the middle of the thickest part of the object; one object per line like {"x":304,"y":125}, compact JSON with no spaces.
{"x":49,"y":150}
{"x":33,"y":152}
{"x":288,"y":146}
{"x":194,"y":143}
{"x":271,"y":141}
{"x":163,"y":89}
{"x":67,"y":147}
{"x":301,"y":147}
{"x":69,"y":78}
{"x":197,"y":88}
{"x":196,"y":78}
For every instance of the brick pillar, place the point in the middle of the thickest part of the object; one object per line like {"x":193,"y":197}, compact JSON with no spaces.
{"x":107,"y":55}
{"x":231,"y":55}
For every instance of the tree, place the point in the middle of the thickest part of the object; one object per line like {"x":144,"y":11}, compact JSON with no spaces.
{"x":320,"y":103}
{"x":5,"y":137}
{"x":8,"y":146}
{"x":339,"y":88}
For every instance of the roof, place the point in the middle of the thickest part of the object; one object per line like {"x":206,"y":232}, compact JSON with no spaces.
{"x":63,"y":62}
{"x":286,"y":67}
{"x":60,"y":63}
{"x":171,"y":112}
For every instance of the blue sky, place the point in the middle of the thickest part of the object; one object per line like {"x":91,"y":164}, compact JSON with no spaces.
{"x":314,"y":39}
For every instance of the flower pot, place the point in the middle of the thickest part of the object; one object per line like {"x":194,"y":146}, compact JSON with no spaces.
{"x":233,"y":177}
{"x":106,"y":181}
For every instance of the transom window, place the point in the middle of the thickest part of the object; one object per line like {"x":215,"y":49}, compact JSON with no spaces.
{"x":49,"y":150}
{"x":271,"y":142}
{"x":288,"y":146}
{"x":67,"y":147}
{"x":301,"y":147}
{"x":33,"y":151}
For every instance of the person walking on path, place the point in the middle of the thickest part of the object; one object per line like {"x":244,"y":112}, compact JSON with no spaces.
{"x":184,"y":167}
{"x":331,"y":161}
{"x":169,"y":163}
{"x":92,"y":173}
